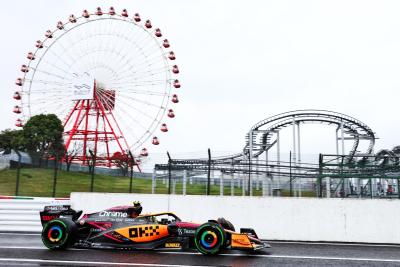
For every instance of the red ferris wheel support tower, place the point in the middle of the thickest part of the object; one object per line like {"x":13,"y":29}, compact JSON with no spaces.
{"x":91,"y":124}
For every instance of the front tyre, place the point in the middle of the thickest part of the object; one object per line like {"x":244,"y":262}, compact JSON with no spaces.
{"x":209,"y":238}
{"x":58,"y":233}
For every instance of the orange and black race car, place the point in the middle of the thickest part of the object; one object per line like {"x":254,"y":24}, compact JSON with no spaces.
{"x":64,"y":227}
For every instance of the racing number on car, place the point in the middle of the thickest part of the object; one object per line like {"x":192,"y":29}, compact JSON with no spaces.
{"x":144,"y":231}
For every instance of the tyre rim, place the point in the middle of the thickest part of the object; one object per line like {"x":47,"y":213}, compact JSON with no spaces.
{"x":208,"y":239}
{"x":55,"y":234}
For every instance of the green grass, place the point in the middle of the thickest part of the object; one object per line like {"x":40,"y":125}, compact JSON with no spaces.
{"x":39,"y":182}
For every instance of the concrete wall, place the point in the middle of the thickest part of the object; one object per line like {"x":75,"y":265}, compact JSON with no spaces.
{"x":302,"y":219}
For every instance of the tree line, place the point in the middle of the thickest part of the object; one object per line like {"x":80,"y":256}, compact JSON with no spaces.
{"x":42,"y":135}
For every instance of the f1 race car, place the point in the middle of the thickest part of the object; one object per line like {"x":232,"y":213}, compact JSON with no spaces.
{"x":65,"y":227}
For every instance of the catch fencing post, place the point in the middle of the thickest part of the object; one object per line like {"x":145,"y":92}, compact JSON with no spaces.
{"x":319,"y":179}
{"x":18,"y":172}
{"x":131,"y":174}
{"x":92,"y":172}
{"x":169,"y":173}
{"x":208,"y":172}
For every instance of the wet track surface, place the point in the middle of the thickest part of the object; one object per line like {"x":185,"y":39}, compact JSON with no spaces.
{"x":17,"y":249}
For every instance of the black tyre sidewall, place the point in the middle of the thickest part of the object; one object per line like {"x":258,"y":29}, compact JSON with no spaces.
{"x":217,"y":229}
{"x":67,"y":228}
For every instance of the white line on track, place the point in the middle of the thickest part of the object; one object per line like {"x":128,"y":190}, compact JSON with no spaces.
{"x":95,"y":263}
{"x":13,"y":234}
{"x":196,"y":253}
{"x":36,"y":248}
{"x":334,"y":244}
{"x":294,"y":257}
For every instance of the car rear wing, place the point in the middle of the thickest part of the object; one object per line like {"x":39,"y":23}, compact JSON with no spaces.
{"x":56,"y":211}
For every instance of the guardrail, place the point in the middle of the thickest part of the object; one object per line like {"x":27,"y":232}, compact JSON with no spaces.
{"x":22,"y":213}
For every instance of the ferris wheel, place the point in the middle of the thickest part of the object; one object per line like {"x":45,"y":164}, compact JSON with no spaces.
{"x":110,"y":77}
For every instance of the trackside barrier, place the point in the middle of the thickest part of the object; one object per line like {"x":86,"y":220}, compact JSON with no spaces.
{"x":22,"y":213}
{"x":300,"y":219}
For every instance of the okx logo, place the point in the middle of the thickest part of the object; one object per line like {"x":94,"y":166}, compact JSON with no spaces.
{"x":144,"y":231}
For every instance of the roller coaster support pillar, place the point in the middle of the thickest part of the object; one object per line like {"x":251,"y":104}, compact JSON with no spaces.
{"x":249,"y":184}
{"x":370,"y":188}
{"x":337,"y":143}
{"x":290,"y":175}
{"x":294,"y":141}
{"x":278,"y":151}
{"x":328,"y":187}
{"x":298,"y":156}
{"x":342,"y":136}
{"x":209,"y":172}
{"x":319,"y":179}
{"x":293,"y":155}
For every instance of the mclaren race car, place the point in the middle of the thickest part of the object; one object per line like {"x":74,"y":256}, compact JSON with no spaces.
{"x":65,"y":227}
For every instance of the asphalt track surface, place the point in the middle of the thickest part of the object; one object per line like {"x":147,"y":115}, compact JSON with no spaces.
{"x":24,"y":249}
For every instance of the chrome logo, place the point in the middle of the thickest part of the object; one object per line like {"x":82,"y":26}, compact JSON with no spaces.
{"x":208,"y":239}
{"x":55,"y":233}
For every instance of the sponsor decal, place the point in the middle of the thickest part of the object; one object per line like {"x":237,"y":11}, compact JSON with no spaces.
{"x":241,"y":241}
{"x":144,"y":231}
{"x":113,"y":214}
{"x":189,"y":231}
{"x":57,"y":208}
{"x":183,"y":231}
{"x":49,"y":217}
{"x":172,"y":245}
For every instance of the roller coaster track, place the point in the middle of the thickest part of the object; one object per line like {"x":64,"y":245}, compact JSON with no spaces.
{"x":264,"y":133}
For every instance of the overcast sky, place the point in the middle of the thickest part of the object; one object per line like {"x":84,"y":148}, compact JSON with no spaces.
{"x":243,"y":61}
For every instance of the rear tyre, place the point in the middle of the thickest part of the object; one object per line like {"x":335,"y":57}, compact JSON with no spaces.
{"x":59,"y":233}
{"x":209,"y":238}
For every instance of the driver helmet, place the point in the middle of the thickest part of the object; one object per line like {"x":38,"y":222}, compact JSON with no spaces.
{"x":136,"y":209}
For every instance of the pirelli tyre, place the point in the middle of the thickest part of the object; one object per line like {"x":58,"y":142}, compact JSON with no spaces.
{"x":209,"y":238}
{"x":59,"y":233}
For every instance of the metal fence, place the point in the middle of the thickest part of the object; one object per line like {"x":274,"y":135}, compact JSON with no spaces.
{"x":33,"y":175}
